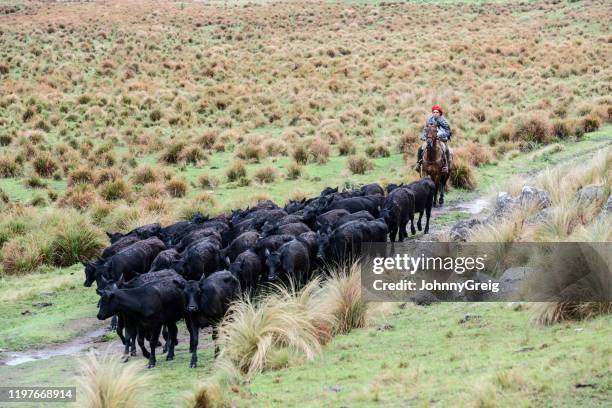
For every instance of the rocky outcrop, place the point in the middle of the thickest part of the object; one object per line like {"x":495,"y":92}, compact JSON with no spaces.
{"x":534,"y":196}
{"x":590,"y":193}
{"x":461,"y":229}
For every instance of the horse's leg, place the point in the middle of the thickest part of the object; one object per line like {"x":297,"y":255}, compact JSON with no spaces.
{"x":442,"y":184}
{"x":435,"y":200}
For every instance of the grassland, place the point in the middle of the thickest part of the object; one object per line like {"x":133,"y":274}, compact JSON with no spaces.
{"x":417,"y":357}
{"x":133,"y":112}
{"x":115,"y":114}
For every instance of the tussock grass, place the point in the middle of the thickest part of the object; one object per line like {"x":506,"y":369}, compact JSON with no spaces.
{"x":105,"y":382}
{"x":285,"y":318}
{"x":342,"y":298}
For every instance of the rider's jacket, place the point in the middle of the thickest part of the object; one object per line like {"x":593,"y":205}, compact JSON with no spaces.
{"x":444,"y":130}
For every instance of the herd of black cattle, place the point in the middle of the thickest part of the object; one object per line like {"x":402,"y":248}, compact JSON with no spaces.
{"x":153,"y":276}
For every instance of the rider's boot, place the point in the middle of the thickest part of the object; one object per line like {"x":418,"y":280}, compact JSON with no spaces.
{"x":419,"y":159}
{"x":448,"y":162}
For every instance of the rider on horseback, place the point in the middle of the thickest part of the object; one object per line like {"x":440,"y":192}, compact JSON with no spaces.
{"x":444,"y":135}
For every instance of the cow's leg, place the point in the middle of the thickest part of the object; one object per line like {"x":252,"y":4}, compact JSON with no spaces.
{"x":119,"y":326}
{"x":194,"y":334}
{"x":392,"y":232}
{"x":419,"y":221}
{"x":165,"y":336}
{"x":411,"y":218}
{"x":403,"y":234}
{"x":113,"y":323}
{"x":141,"y":343}
{"x":172,"y":331}
{"x":130,"y":334}
{"x":155,"y":331}
{"x":427,"y":215}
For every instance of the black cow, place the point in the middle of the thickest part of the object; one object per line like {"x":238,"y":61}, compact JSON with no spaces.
{"x":151,"y":305}
{"x":244,"y":241}
{"x":295,"y":229}
{"x":397,"y":210}
{"x":372,"y":189}
{"x":135,"y":259}
{"x":290,"y":261}
{"x":423,"y":199}
{"x":357,"y":216}
{"x":144,"y":232}
{"x":344,"y":243}
{"x":198,"y":235}
{"x":165,"y":260}
{"x":329,"y":218}
{"x":202,"y":258}
{"x":247,"y":268}
{"x":370,"y":204}
{"x":206,"y":303}
{"x":119,"y":246}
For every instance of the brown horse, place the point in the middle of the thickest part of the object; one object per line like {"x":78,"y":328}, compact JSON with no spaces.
{"x":433,"y":163}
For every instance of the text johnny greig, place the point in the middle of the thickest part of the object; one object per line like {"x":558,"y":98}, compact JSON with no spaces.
{"x":407,"y":264}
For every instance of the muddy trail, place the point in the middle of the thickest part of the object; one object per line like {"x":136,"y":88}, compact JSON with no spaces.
{"x":95,"y":336}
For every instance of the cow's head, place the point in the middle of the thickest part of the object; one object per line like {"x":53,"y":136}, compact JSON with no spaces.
{"x":90,"y":273}
{"x":322,"y":244}
{"x":107,"y":306}
{"x":192,"y":292}
{"x":273,"y":263}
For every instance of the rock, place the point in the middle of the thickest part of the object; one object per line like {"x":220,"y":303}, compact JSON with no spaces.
{"x":590,"y":193}
{"x":533,"y":195}
{"x":461,"y":229}
{"x":504,"y":204}
{"x":26,"y":312}
{"x":468,"y":317}
{"x":539,"y":216}
{"x":607,"y":208}
{"x":385,"y":327}
{"x":512,"y":280}
{"x":424,"y":298}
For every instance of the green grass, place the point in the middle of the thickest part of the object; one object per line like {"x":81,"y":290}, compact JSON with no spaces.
{"x":427,"y":358}
{"x":72,"y":310}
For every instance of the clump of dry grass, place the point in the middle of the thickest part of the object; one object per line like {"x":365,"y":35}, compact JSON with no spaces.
{"x":145,"y":174}
{"x":79,"y":175}
{"x":9,"y":167}
{"x":177,"y":188}
{"x":462,"y":175}
{"x":300,"y":154}
{"x":44,"y":165}
{"x":115,"y":190}
{"x":286,"y":318}
{"x":549,"y":313}
{"x":346,"y":147}
{"x":105,"y":382}
{"x":265,"y":175}
{"x":359,"y":164}
{"x":342,"y":298}
{"x":294,"y":171}
{"x":473,"y":153}
{"x":319,"y":151}
{"x":207,"y":181}
{"x":236,"y":171}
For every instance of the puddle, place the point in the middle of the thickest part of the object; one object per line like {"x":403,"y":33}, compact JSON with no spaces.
{"x":72,"y":347}
{"x":474,"y":206}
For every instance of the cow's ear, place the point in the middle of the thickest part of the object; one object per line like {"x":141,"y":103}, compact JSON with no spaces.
{"x":99,"y":292}
{"x":202,"y":279}
{"x":267,"y":252}
{"x":227,"y":261}
{"x":108,"y":234}
{"x":179,"y":283}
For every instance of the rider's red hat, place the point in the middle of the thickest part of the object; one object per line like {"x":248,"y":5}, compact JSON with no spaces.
{"x":438,"y":108}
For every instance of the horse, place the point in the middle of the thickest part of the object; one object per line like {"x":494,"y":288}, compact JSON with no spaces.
{"x":434,"y":161}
